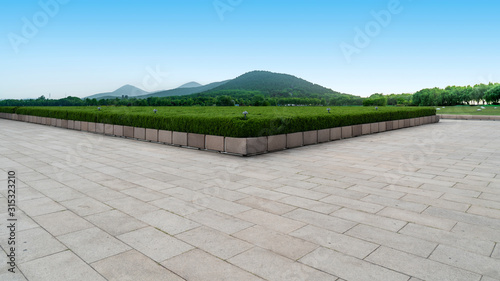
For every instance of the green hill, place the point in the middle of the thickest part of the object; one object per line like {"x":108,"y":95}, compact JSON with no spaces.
{"x":183,"y":90}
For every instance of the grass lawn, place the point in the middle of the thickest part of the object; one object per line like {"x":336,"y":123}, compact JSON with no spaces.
{"x":470,"y":110}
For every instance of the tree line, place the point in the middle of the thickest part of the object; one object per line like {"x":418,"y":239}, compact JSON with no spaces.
{"x":449,"y":96}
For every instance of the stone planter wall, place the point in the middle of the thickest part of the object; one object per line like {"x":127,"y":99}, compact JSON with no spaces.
{"x":239,"y":146}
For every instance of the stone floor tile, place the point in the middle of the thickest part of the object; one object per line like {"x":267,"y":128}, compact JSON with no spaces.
{"x":352,"y":204}
{"x":65,"y":193}
{"x":115,"y":222}
{"x":131,"y":206}
{"x":159,"y":246}
{"x":418,"y":218}
{"x":463,"y":217}
{"x":93,"y":244}
{"x":301,"y":192}
{"x":214,"y":242}
{"x":321,"y":220}
{"x":144,"y":194}
{"x":168,"y":222}
{"x":309,"y":204}
{"x":271,"y":266}
{"x":476,"y":245}
{"x":349,"y":268}
{"x":85,"y":206}
{"x":40,"y":206}
{"x":266,"y":205}
{"x":419,"y":267}
{"x":262,"y":193}
{"x":62,"y":222}
{"x":177,"y":206}
{"x":221,"y":205}
{"x":132,"y":266}
{"x":393,"y":240}
{"x":335,"y":241}
{"x":395,"y":203}
{"x":285,"y":245}
{"x":219,"y":221}
{"x":199,"y":265}
{"x":483,"y":265}
{"x":61,"y":266}
{"x":271,"y":221}
{"x":369,"y":219}
{"x":34,"y":243}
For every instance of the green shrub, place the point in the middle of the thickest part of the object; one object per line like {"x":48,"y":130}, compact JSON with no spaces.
{"x":228,"y":121}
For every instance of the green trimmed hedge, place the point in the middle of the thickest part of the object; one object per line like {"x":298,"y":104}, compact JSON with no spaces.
{"x":228,"y":121}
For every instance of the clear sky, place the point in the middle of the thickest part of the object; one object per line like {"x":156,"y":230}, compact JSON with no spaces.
{"x":82,"y":47}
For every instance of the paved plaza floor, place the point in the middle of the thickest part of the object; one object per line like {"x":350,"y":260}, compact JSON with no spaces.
{"x":420,"y":203}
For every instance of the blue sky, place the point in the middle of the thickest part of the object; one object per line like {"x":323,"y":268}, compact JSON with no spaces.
{"x":78,"y":48}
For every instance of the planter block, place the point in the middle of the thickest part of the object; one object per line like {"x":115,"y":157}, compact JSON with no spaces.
{"x":276,"y":142}
{"x":152,"y":135}
{"x":128,"y":131}
{"x":44,"y":121}
{"x":310,"y":137}
{"x":366,"y":129}
{"x":382,"y":126}
{"x":417,"y":121}
{"x":388,"y":125}
{"x":357,"y":130}
{"x":64,"y":124}
{"x":179,"y":138}
{"x":166,"y":137}
{"x":401,"y":124}
{"x":15,"y":117}
{"x":84,"y":126}
{"x":395,"y":125}
{"x":236,"y":145}
{"x":407,"y":123}
{"x":71,"y":124}
{"x":99,"y":128}
{"x":118,"y":130}
{"x":294,"y":140}
{"x":213,"y":142}
{"x":196,"y":140}
{"x":335,"y":133}
{"x":347,"y":132}
{"x":77,"y":125}
{"x":108,"y":129}
{"x":256,"y":145}
{"x":412,"y":122}
{"x":58,"y":123}
{"x":323,"y":135}
{"x":39,"y":120}
{"x":91,"y":127}
{"x":140,"y":133}
{"x":374,"y":128}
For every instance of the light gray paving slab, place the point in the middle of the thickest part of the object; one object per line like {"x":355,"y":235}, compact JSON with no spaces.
{"x":219,"y":221}
{"x":115,"y":222}
{"x":321,"y":220}
{"x":93,"y":244}
{"x":34,"y":243}
{"x":177,"y":206}
{"x":473,"y":262}
{"x":40,"y":206}
{"x":85,"y":206}
{"x":168,"y":222}
{"x":285,"y":245}
{"x":349,"y":268}
{"x":335,"y":241}
{"x":419,"y":267}
{"x":131,"y":266}
{"x":214,"y":242}
{"x":271,"y":221}
{"x":266,"y":205}
{"x":62,"y":266}
{"x":199,"y":265}
{"x":271,"y":266}
{"x":62,"y":222}
{"x":158,"y":246}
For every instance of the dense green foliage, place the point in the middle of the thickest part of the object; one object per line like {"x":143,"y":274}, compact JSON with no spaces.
{"x":228,"y":121}
{"x":453,"y":95}
{"x":375,"y":100}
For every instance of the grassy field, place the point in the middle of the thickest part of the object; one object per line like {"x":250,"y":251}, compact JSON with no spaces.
{"x":470,"y":110}
{"x":229,"y":121}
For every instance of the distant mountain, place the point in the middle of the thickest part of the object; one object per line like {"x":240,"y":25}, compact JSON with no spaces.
{"x":273,"y":84}
{"x":190,"y":85}
{"x":127,"y":90}
{"x":183,"y":91}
